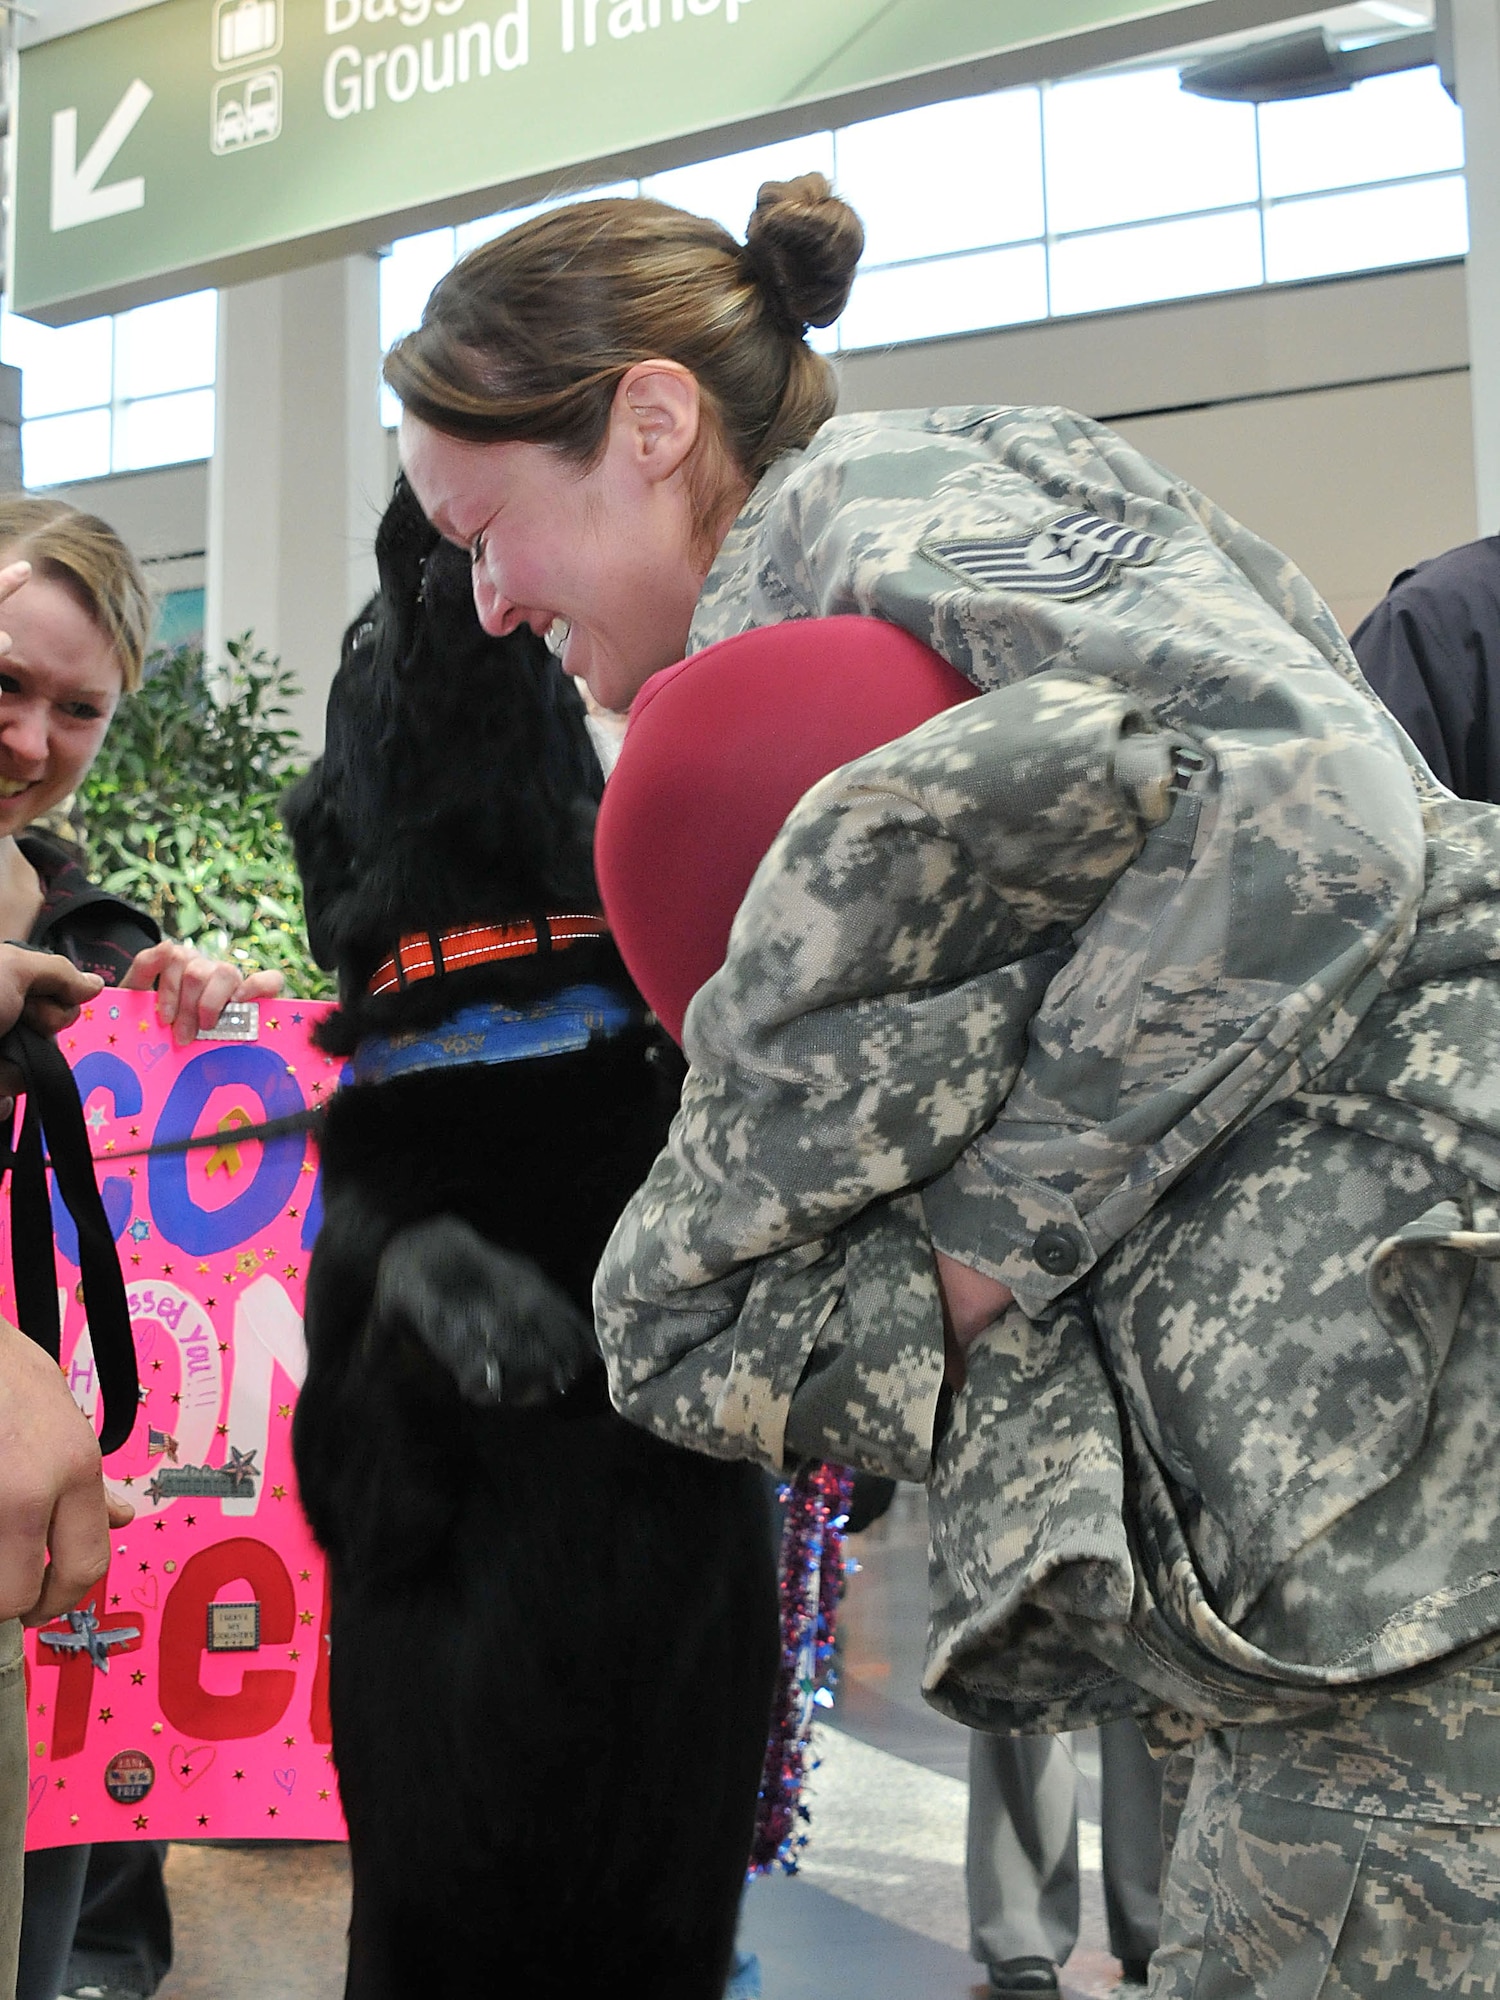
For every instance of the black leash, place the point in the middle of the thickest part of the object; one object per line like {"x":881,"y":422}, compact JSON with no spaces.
{"x":290,"y":1126}
{"x":53,"y":1108}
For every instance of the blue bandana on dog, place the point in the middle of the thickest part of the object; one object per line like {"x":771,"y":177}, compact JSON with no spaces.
{"x":489,"y":1032}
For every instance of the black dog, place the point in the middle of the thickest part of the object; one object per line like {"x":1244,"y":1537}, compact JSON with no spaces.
{"x":554,"y":1635}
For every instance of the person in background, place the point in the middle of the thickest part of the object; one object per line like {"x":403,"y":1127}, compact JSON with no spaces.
{"x":1431,"y":651}
{"x":1021,"y":1865}
{"x":77,"y":618}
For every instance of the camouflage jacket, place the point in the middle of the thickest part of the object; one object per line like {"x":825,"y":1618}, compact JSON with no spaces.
{"x":995,"y":989}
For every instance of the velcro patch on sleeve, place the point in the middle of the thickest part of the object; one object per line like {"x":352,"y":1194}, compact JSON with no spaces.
{"x":1077,"y":554}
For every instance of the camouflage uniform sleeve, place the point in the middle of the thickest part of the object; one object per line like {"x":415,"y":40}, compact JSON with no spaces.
{"x":770,"y":1291}
{"x":1272,"y":576}
{"x":853,"y":524}
{"x":1258,"y":924}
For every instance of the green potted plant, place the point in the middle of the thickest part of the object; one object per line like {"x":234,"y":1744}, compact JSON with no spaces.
{"x":180,"y":813}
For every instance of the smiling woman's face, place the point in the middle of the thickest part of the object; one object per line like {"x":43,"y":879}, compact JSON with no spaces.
{"x":607,"y":549}
{"x":59,"y":684}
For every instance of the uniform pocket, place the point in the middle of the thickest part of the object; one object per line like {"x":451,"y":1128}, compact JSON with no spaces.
{"x":1423,"y":1916}
{"x":1257,"y":1890}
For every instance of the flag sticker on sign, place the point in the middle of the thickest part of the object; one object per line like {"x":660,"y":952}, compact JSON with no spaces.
{"x":1077,"y":554}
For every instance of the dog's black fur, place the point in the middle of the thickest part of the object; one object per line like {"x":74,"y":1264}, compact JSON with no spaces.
{"x":553,"y":1635}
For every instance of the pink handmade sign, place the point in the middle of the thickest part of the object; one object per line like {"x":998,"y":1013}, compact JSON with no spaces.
{"x":187,"y":1696}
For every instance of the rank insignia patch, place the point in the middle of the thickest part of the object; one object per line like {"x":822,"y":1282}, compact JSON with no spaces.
{"x":1075,"y":555}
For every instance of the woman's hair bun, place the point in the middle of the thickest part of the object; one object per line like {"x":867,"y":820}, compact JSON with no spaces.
{"x":803,"y":245}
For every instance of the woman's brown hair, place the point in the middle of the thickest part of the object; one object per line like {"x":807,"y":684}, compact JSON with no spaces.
{"x":529,"y":336}
{"x":86,"y":556}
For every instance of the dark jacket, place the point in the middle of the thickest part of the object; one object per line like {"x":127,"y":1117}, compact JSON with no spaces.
{"x":97,"y":931}
{"x":1431,"y":651}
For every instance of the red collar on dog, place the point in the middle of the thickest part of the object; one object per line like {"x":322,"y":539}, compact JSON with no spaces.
{"x":426,"y":954}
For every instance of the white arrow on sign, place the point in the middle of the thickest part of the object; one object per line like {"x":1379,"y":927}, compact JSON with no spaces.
{"x":76,"y":193}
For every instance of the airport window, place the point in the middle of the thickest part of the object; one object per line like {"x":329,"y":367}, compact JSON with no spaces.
{"x":725,"y":189}
{"x":1388,"y":128}
{"x":1187,"y":256}
{"x":56,"y":450}
{"x":1136,"y":147}
{"x":115,"y":394}
{"x":950,"y":177}
{"x":1403,"y":223}
{"x":1076,"y":197}
{"x":1083,"y":196}
{"x":993,"y":287}
{"x":408,"y":273}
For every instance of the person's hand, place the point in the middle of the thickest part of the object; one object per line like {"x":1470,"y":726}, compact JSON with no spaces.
{"x":971,"y":1302}
{"x":193,"y":990}
{"x":48,"y":990}
{"x":54,"y":1518}
{"x":11,"y":578}
{"x":44,"y":990}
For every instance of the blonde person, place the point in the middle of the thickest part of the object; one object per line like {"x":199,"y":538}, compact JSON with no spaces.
{"x":76,"y":618}
{"x":1094,"y":1115}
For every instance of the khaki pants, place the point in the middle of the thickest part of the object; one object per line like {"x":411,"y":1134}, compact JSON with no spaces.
{"x":15,"y":1778}
{"x":1021,"y":1873}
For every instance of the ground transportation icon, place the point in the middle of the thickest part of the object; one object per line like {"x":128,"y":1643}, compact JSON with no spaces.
{"x":230,"y":130}
{"x":246,"y":111}
{"x":262,"y":108}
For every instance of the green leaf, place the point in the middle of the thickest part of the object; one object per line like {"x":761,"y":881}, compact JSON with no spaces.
{"x":182,"y":808}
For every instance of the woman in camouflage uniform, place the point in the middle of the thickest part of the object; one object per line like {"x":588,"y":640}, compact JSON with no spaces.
{"x":1120,"y":1044}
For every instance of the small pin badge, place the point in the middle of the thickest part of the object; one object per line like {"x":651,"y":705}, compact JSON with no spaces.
{"x":1076,"y":555}
{"x":232,"y":1481}
{"x":234,"y":1628}
{"x":128,"y":1776}
{"x":83,"y":1633}
{"x":239,"y":1022}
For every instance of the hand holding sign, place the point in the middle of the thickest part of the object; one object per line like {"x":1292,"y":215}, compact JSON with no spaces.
{"x":192,"y":990}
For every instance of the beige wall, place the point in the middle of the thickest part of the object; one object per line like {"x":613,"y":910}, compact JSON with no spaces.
{"x":1355,"y":484}
{"x":1331,"y":418}
{"x":163,"y":515}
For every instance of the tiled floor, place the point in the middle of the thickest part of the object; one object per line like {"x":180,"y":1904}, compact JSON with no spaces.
{"x":876,"y":1911}
{"x":913,"y":1859}
{"x":261,"y":1923}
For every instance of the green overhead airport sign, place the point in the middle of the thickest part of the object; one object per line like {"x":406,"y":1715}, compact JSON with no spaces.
{"x":208,"y":141}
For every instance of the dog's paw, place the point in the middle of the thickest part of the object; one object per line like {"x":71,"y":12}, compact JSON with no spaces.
{"x":494,"y":1320}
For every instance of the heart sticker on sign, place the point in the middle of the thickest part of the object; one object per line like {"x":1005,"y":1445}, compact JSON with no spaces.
{"x":189,"y":1765}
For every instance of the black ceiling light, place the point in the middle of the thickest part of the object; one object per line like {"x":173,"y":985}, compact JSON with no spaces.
{"x":1309,"y":64}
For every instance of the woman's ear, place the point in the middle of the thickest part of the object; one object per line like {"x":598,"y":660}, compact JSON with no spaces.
{"x":657,"y":416}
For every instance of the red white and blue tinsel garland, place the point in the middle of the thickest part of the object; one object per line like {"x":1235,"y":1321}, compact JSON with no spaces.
{"x":815,"y":1512}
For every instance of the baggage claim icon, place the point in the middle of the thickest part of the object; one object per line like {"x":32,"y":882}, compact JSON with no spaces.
{"x":246,"y":107}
